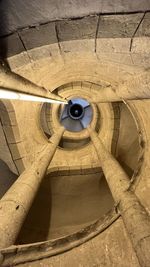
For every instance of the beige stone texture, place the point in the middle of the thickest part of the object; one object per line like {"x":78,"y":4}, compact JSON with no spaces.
{"x":98,"y":50}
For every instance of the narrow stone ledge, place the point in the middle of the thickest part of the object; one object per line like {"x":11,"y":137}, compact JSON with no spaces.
{"x":10,"y":45}
{"x":84,"y":28}
{"x":26,"y":253}
{"x":39,"y":36}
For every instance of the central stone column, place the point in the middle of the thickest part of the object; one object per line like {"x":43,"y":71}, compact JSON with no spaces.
{"x":134,"y":215}
{"x":15,"y":204}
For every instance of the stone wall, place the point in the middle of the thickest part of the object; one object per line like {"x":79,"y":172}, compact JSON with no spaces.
{"x":96,"y":48}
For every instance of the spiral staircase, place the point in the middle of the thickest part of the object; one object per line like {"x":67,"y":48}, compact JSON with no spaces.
{"x":77,"y":55}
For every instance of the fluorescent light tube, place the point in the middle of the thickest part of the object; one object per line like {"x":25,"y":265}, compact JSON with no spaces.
{"x":6,"y":94}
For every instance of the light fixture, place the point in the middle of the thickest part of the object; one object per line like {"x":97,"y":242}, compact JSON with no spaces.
{"x":7,"y":94}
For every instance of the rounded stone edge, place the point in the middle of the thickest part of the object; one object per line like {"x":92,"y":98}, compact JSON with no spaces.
{"x":35,"y":251}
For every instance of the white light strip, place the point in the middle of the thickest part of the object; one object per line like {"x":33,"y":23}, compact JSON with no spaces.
{"x":6,"y":94}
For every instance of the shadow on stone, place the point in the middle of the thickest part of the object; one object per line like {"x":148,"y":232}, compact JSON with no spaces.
{"x":37,"y":223}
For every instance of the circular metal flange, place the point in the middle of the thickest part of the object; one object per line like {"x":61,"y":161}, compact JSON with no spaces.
{"x":76,"y":111}
{"x":77,"y":115}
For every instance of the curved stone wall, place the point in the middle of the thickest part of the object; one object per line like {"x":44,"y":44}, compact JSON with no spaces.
{"x":85,"y":50}
{"x":12,"y":149}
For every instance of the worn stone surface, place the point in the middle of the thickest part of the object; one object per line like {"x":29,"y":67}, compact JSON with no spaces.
{"x":84,"y":28}
{"x":16,"y":14}
{"x":7,"y":177}
{"x":39,"y":36}
{"x":15,"y":204}
{"x":132,"y":211}
{"x":10,"y":45}
{"x":103,"y":253}
{"x":106,"y":51}
{"x":116,"y":34}
{"x":81,"y":199}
